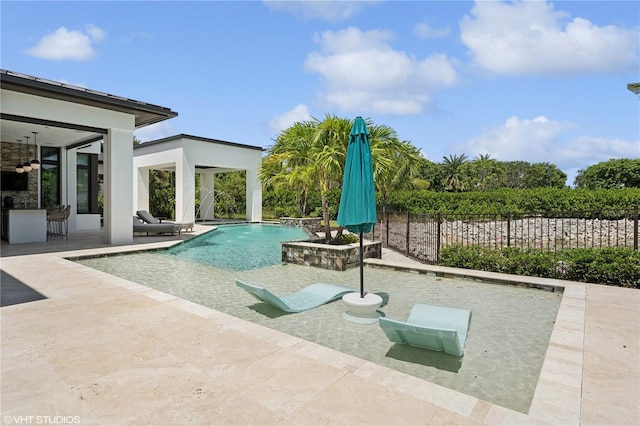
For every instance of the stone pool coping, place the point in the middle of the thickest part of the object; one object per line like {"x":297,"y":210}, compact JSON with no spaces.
{"x":130,"y":366}
{"x":573,"y":363}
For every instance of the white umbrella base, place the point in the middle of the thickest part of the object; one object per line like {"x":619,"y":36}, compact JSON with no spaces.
{"x":362,"y":310}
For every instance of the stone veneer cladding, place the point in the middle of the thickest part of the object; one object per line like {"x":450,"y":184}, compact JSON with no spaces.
{"x":10,"y":156}
{"x":327,"y":256}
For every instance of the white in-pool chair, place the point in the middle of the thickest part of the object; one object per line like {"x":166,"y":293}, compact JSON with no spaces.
{"x":439,"y":328}
{"x":309,"y":297}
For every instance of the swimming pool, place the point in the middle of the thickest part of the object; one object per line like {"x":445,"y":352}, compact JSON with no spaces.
{"x":507,"y":342}
{"x":238,"y":247}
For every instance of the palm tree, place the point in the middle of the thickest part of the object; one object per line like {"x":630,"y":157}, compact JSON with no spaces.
{"x":395,"y":163}
{"x":286,"y":166}
{"x":452,"y":174}
{"x":311,"y":154}
{"x":330,"y":142}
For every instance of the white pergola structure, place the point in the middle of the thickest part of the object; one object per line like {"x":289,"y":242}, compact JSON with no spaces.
{"x":74,"y":118}
{"x":191,"y":158}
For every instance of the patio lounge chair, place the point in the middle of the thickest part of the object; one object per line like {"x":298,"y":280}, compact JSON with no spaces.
{"x":155,"y":228}
{"x":438,"y":328}
{"x":309,"y":297}
{"x":148,"y":218}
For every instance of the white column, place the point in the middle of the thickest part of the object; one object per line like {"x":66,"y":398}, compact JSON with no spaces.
{"x":207,"y":195}
{"x":141,"y":190}
{"x":72,"y":186}
{"x":254,"y":196}
{"x":64,"y":177}
{"x":185,"y":191}
{"x":118,"y":186}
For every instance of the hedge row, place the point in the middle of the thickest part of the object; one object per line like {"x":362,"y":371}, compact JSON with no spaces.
{"x":514,"y":201}
{"x":611,"y":266}
{"x":497,"y":201}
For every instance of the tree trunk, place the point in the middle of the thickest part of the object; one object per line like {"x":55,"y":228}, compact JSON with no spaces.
{"x":325,"y":217}
{"x":304,"y":201}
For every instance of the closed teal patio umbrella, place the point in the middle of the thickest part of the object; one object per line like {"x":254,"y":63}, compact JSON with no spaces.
{"x":357,"y":210}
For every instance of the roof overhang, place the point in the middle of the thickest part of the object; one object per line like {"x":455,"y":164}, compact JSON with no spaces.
{"x":63,"y":134}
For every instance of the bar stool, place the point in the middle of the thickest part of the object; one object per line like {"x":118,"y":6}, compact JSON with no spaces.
{"x":57,"y":222}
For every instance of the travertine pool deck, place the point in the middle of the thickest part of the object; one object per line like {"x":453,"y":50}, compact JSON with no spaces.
{"x":92,"y":348}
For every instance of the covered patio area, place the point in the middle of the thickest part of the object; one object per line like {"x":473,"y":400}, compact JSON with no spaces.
{"x":196,"y":158}
{"x":73,"y":125}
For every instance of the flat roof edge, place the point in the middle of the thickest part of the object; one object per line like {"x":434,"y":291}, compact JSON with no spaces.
{"x":198,"y":138}
{"x":28,"y":81}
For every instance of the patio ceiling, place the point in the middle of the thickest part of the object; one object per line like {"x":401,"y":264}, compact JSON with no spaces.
{"x":48,"y":135}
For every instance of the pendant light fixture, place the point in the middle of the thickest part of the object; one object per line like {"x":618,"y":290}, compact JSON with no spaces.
{"x":27,"y":165}
{"x":19,"y":168}
{"x":35,"y":164}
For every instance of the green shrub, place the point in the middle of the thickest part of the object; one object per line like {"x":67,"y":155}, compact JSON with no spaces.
{"x":344,"y":239}
{"x":497,"y":201}
{"x":611,"y":266}
{"x":515,"y":201}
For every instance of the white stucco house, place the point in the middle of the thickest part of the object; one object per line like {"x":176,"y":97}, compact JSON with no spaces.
{"x":66,"y":127}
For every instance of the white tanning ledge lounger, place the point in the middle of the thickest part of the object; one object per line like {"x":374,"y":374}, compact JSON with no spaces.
{"x":309,"y":297}
{"x":439,"y":328}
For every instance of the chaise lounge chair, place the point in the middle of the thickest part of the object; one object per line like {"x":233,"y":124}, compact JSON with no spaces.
{"x":438,"y":328}
{"x":155,"y":228}
{"x":309,"y":297}
{"x":148,"y":218}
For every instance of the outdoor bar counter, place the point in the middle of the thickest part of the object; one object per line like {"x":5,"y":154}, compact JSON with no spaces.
{"x":20,"y":225}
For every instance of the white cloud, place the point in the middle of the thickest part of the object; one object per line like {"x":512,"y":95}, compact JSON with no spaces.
{"x":424,"y":30}
{"x":331,"y":11}
{"x":530,"y":37}
{"x":154,"y":131}
{"x":64,"y":44}
{"x":587,"y":150}
{"x":364,"y":74}
{"x":540,"y":140}
{"x":529,"y":140}
{"x":95,"y":33}
{"x":283,"y":121}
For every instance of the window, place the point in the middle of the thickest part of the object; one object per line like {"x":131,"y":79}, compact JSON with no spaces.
{"x":83,"y":183}
{"x":87,"y":183}
{"x":50,"y":176}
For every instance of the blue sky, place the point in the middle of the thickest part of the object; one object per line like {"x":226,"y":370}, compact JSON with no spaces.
{"x":534,"y":81}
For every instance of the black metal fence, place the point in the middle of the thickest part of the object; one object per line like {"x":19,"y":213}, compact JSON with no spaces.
{"x":422,"y":235}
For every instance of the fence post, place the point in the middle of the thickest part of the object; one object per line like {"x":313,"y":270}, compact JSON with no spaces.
{"x":508,"y":229}
{"x":408,"y":223}
{"x":635,"y":228}
{"x":386,"y":228}
{"x":438,"y":238}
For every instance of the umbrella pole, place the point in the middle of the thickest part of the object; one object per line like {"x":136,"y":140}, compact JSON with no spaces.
{"x":361,"y":268}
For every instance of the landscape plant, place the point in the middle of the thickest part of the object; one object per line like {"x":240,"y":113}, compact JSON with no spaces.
{"x":610,"y":265}
{"x":310,"y":155}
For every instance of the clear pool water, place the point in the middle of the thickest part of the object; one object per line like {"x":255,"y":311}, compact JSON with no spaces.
{"x":238,"y":247}
{"x":507,"y":341}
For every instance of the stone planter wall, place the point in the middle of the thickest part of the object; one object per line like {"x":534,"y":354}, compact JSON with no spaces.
{"x":327,"y":256}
